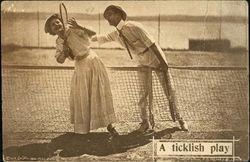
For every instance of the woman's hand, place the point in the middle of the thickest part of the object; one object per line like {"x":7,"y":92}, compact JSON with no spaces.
{"x":94,"y":38}
{"x":73,"y":23}
{"x":65,"y":50}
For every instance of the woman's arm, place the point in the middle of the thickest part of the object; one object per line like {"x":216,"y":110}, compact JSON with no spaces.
{"x":88,"y":31}
{"x":74,"y":24}
{"x":61,"y":58}
{"x":62,"y":52}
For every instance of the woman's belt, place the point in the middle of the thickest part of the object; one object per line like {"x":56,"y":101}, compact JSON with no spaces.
{"x":81,"y":57}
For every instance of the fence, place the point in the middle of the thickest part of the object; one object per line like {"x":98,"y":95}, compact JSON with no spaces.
{"x":35,"y":98}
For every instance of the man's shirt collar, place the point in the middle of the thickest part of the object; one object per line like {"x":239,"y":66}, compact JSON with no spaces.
{"x":120,"y":25}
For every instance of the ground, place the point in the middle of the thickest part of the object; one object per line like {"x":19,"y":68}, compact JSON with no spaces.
{"x":120,"y":58}
{"x":66,"y":146}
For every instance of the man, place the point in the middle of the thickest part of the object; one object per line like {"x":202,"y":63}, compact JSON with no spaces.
{"x":140,"y":45}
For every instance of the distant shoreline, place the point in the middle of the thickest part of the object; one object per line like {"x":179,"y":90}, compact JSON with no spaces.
{"x":181,"y":18}
{"x":13,"y":47}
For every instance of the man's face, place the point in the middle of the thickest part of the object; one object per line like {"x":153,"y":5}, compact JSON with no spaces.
{"x":56,"y":26}
{"x":113,"y":17}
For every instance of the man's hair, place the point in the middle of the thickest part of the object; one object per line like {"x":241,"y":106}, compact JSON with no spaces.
{"x":47,"y":27}
{"x":116,"y":9}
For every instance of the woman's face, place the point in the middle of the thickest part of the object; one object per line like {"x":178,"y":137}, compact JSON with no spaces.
{"x":113,"y":17}
{"x":56,"y":26}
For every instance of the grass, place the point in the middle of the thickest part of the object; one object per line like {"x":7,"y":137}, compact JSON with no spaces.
{"x":120,"y":58}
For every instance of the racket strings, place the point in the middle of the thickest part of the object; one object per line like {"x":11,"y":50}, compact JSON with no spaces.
{"x":64,"y":18}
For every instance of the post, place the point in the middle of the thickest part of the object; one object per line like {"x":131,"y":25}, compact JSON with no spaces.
{"x":150,"y":95}
{"x":159,"y":27}
{"x":99,"y":25}
{"x":220,"y":19}
{"x":38,"y":28}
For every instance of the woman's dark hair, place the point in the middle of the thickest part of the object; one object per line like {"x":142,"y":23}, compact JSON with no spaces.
{"x":47,"y":27}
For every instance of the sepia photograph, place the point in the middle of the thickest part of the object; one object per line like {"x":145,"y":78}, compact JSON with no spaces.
{"x":125,"y":80}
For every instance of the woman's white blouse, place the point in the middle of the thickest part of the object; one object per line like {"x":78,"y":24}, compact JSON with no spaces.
{"x":77,"y":40}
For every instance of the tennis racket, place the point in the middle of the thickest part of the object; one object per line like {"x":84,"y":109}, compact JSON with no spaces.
{"x":150,"y":95}
{"x":63,"y":14}
{"x":64,"y":19}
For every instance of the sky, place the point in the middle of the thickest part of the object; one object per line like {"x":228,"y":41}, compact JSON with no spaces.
{"x":136,"y":8}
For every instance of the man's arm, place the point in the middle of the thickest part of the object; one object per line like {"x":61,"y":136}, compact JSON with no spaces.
{"x":158,"y":54}
{"x":105,"y":38}
{"x":139,"y":32}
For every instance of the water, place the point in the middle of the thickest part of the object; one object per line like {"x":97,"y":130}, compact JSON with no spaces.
{"x":27,"y":32}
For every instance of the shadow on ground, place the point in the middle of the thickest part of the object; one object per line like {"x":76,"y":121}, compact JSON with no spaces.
{"x":72,"y":145}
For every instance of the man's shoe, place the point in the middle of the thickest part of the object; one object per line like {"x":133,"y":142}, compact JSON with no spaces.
{"x":143,"y":127}
{"x":183,"y":125}
{"x":112,"y":131}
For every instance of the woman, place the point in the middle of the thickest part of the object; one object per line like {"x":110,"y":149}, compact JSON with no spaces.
{"x":91,"y":104}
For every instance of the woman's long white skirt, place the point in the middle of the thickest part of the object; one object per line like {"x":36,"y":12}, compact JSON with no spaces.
{"x":91,"y":104}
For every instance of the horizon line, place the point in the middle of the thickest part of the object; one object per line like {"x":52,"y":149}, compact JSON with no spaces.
{"x":94,"y":14}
